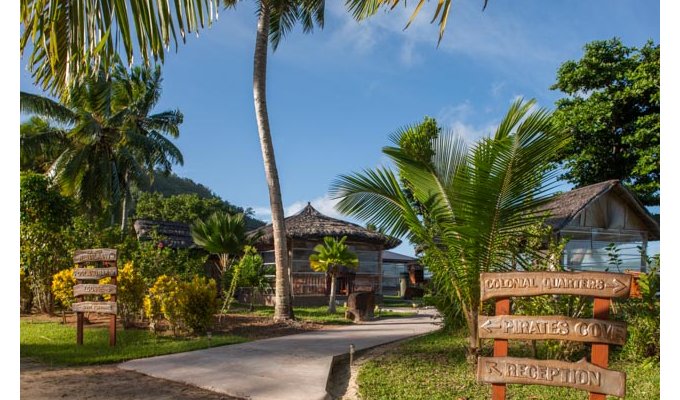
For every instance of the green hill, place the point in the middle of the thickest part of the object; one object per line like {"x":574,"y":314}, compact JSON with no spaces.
{"x":172,"y":185}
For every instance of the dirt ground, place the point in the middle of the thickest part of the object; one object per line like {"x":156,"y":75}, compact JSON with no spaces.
{"x":40,"y":381}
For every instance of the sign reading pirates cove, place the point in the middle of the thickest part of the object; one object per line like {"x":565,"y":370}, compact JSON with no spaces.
{"x":102,"y":263}
{"x":601,"y":332}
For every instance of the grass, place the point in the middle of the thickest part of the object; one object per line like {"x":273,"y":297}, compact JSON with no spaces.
{"x":320,"y":315}
{"x":54,"y":343}
{"x":434,"y":367}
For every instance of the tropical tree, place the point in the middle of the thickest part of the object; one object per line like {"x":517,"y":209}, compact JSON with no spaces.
{"x":329,"y":258}
{"x":612,"y":106}
{"x":45,"y":216}
{"x":470,"y":201}
{"x":103,"y":137}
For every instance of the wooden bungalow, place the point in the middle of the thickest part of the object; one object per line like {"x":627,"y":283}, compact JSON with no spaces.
{"x":305,"y":230}
{"x":592,"y":217}
{"x":397,"y":266}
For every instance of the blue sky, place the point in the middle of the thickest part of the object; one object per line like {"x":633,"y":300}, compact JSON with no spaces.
{"x":335,"y":95}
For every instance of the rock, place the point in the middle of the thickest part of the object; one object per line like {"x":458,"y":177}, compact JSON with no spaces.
{"x":360,"y":306}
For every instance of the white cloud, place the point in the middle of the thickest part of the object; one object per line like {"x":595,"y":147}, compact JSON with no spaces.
{"x":408,"y":55}
{"x":456,"y":118}
{"x":497,"y":88}
{"x":324,"y":205}
{"x":470,"y":132}
{"x":492,"y":36}
{"x":263,"y":213}
{"x":451,"y":113}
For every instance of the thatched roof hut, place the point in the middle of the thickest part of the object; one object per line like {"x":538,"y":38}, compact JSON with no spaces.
{"x":310,"y":224}
{"x":177,"y":235}
{"x":604,"y":205}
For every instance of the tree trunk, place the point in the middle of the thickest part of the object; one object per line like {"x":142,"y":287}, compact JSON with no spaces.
{"x":282,"y":310}
{"x":123,"y":217}
{"x":331,"y":298}
{"x":473,"y":349}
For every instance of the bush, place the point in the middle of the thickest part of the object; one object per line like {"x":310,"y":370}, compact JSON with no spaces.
{"x":183,"y":304}
{"x":62,"y":287}
{"x":45,"y":216}
{"x":130,"y":292}
{"x":644,"y":318}
{"x":199,"y":304}
{"x":163,"y":302}
{"x":25,"y":293}
{"x":153,"y":260}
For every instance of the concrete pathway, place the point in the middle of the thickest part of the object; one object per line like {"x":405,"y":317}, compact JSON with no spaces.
{"x":294,"y":367}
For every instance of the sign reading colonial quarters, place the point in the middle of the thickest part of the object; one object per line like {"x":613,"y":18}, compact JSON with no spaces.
{"x":592,"y":377}
{"x":596,"y":284}
{"x":105,"y":265}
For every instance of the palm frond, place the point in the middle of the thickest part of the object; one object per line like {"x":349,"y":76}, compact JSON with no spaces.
{"x":42,"y":106}
{"x":73,"y":39}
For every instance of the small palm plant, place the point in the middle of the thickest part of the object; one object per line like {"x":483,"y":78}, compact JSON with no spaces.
{"x":329,"y":257}
{"x":225,"y":235}
{"x":222,"y":234}
{"x":462,"y":205}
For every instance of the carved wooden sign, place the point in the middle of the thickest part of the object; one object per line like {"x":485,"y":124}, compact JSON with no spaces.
{"x":94,"y":273}
{"x":581,"y":375}
{"x":597,"y":284}
{"x":94,"y":255}
{"x":552,"y":327}
{"x":105,"y":307}
{"x":109,"y":259}
{"x":86,"y":289}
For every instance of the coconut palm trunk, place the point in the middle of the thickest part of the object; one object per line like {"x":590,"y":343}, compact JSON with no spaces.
{"x":283,"y":309}
{"x":123,"y":216}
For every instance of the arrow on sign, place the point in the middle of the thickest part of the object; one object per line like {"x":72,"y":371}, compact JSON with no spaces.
{"x":618,"y":285}
{"x":492,"y":368}
{"x":489,"y":326}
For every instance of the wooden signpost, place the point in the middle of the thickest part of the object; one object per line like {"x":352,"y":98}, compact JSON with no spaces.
{"x":592,"y":377}
{"x":105,"y":262}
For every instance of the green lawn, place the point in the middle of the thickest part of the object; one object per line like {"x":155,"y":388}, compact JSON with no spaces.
{"x":54,"y":343}
{"x":434,"y":367}
{"x":320,"y":315}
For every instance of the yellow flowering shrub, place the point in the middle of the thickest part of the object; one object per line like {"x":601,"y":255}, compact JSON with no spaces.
{"x":130,"y":292}
{"x":164,"y":301}
{"x":62,"y":287}
{"x":199,"y":303}
{"x":183,"y":304}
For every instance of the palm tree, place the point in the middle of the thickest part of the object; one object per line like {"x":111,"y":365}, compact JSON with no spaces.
{"x":469,"y":202}
{"x":102,"y":141}
{"x":329,"y":257}
{"x":223,"y":234}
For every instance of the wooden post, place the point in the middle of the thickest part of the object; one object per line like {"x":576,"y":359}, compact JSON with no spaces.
{"x":79,"y":328}
{"x":599,"y":351}
{"x":500,"y":348}
{"x":112,"y":321}
{"x":79,"y":321}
